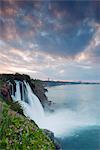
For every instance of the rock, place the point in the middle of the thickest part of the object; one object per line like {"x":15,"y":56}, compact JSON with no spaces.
{"x":50,"y":134}
{"x":5,"y":91}
{"x":39,"y":90}
{"x":57,"y":145}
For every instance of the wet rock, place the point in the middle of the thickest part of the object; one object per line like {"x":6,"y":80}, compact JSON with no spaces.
{"x":57,"y":145}
{"x":50,"y":134}
{"x":39,"y":90}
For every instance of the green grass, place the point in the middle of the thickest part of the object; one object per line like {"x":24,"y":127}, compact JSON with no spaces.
{"x":19,"y":133}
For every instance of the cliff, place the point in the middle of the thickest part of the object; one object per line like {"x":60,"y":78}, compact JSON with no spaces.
{"x":36,"y":86}
{"x":17,"y":131}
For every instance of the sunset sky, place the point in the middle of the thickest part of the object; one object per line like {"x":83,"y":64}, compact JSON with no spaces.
{"x":55,"y":39}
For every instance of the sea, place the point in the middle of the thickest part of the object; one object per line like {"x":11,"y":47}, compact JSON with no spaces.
{"x":81,"y":115}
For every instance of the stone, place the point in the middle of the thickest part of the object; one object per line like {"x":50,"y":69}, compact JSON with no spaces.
{"x":50,"y":134}
{"x":5,"y":91}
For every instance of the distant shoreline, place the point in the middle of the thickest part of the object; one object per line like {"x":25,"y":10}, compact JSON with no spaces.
{"x":58,"y":83}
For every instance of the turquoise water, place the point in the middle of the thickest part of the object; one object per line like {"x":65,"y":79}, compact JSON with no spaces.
{"x":84,"y":102}
{"x":84,"y":139}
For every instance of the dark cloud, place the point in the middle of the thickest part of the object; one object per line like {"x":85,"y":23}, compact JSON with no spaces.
{"x":58,"y":30}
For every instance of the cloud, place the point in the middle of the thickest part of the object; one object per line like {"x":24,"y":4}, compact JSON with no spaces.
{"x":49,"y":38}
{"x":32,"y":20}
{"x":92,"y":51}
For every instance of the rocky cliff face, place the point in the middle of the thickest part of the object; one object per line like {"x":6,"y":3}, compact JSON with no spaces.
{"x":39,"y":91}
{"x":36,"y":86}
{"x":5,"y":91}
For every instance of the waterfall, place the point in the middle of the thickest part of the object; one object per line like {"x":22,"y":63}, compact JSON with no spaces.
{"x":17,"y":93}
{"x":23,"y":92}
{"x":11,"y":88}
{"x":33,"y":108}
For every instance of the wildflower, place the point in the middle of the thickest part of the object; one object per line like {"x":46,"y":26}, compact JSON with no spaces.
{"x":33,"y":129}
{"x":10,"y":142}
{"x":21,"y":129}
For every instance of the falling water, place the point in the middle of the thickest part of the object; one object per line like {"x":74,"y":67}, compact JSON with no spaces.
{"x":17,"y":93}
{"x":33,"y":108}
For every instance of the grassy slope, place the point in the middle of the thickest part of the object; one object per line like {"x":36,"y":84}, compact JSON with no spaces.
{"x":19,"y":133}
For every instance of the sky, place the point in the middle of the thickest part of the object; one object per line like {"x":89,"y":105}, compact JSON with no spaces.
{"x":59,"y":40}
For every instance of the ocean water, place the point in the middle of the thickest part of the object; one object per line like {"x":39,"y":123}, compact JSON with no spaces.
{"x":79,"y":106}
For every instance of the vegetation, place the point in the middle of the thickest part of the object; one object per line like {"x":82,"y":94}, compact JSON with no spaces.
{"x":14,"y":106}
{"x":18,"y":132}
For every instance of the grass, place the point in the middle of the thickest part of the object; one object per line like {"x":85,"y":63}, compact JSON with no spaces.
{"x":18,"y":132}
